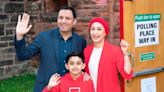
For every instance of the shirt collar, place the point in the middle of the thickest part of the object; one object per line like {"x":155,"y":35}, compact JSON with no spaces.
{"x":61,"y":37}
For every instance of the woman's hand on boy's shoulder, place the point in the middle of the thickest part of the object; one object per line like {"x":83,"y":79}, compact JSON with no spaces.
{"x":86,"y":77}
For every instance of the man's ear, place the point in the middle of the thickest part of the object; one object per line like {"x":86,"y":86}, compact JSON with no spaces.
{"x":66,"y":66}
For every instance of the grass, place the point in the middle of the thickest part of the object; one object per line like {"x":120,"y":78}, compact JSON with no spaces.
{"x":21,"y":83}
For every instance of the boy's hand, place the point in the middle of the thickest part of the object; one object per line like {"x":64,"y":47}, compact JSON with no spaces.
{"x":54,"y":81}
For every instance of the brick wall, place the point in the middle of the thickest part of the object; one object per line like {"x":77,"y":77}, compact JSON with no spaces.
{"x":43,"y":17}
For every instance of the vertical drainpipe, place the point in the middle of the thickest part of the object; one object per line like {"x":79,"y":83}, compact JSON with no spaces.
{"x":121,"y":37}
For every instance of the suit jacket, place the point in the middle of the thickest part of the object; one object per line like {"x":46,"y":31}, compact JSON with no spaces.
{"x":111,"y":61}
{"x":46,"y":44}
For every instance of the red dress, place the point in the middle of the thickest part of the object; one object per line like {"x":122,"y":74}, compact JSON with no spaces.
{"x":68,"y":84}
{"x":111,"y":61}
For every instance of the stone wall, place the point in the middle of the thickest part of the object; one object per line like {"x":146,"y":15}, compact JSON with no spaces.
{"x":9,"y":10}
{"x":43,"y":17}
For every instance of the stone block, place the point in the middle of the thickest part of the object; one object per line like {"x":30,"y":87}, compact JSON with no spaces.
{"x":35,"y":5}
{"x":1,"y":29}
{"x":116,"y":28}
{"x":3,"y":44}
{"x":4,"y":18}
{"x":17,"y":61}
{"x":49,"y":17}
{"x":112,"y":1}
{"x":8,"y":50}
{"x":11,"y":43}
{"x":4,"y":56}
{"x":87,"y":13}
{"x":17,"y":0}
{"x":34,"y":18}
{"x":116,"y":1}
{"x":10,"y":25}
{"x":1,"y":9}
{"x":14,"y":17}
{"x":43,"y":26}
{"x":9,"y":31}
{"x":87,"y":6}
{"x":85,"y":19}
{"x":76,"y":3}
{"x":89,"y":2}
{"x":7,"y":38}
{"x":17,"y":69}
{"x":6,"y":62}
{"x":1,"y":71}
{"x":116,"y":7}
{"x":14,"y":7}
{"x":4,"y":0}
{"x":117,"y":34}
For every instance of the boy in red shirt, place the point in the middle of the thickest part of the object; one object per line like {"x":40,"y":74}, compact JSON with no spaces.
{"x":72,"y":81}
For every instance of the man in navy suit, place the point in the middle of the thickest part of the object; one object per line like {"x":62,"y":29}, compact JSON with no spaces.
{"x":53,"y":45}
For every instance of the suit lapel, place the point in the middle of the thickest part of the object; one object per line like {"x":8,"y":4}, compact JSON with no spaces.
{"x":55,"y":42}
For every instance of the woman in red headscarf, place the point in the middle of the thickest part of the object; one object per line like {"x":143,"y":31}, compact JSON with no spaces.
{"x":104,"y":60}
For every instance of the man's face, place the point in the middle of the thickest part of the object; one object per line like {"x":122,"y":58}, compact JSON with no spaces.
{"x":65,"y":20}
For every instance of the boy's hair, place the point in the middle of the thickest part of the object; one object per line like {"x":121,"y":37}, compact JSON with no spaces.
{"x":69,"y":8}
{"x":78,"y":54}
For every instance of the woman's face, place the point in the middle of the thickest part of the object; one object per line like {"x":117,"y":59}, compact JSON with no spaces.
{"x":97,"y":32}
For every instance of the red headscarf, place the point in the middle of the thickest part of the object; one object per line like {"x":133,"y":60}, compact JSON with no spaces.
{"x":102,"y":21}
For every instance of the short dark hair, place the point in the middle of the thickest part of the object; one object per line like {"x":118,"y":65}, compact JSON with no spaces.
{"x":69,"y":8}
{"x":78,"y":54}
